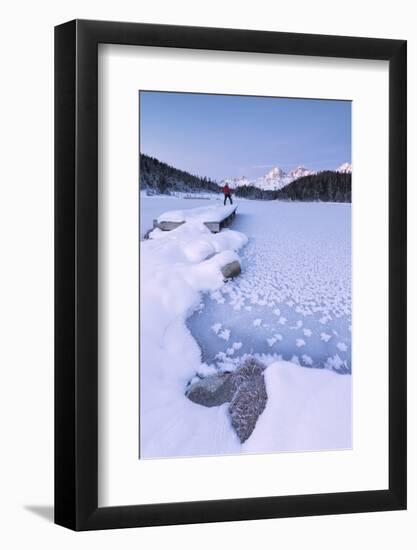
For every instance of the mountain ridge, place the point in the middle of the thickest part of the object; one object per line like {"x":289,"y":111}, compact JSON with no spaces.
{"x":277,"y":178}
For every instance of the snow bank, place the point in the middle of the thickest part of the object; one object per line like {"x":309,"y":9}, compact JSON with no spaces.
{"x":175,"y":268}
{"x":152,"y":206}
{"x":307,"y":409}
{"x":201,"y":214}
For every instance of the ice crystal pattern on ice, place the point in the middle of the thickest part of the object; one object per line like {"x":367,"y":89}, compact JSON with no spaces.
{"x":293,"y":299}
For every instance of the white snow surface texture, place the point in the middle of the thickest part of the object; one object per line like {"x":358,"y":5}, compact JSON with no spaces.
{"x":201,"y":214}
{"x":307,"y":409}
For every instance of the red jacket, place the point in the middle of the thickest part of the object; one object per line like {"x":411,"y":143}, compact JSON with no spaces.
{"x":226,"y":190}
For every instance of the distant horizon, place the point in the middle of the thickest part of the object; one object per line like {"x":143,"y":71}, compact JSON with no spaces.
{"x":267,"y":170}
{"x":245,"y":135}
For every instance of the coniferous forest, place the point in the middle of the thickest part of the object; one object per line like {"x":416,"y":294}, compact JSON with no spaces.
{"x":161,"y":178}
{"x":325,"y":186}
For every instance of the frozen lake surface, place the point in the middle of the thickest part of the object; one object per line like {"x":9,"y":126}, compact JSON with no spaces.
{"x":293,"y":298}
{"x":290,"y":307}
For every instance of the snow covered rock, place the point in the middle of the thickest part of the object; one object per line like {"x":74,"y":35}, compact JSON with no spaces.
{"x":231,"y":270}
{"x":247,"y":405}
{"x":212,"y":391}
{"x":250,"y":398}
{"x":244,"y":389}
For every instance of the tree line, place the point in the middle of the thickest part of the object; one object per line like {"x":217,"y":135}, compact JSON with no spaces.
{"x":161,"y":178}
{"x":327,"y":186}
{"x":157,"y":177}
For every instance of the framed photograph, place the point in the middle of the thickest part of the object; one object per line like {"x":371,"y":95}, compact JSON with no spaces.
{"x":230,"y":254}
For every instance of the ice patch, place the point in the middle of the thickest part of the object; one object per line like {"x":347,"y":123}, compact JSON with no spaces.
{"x":295,"y":270}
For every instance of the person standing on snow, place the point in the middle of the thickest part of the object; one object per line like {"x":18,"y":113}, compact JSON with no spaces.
{"x":227,"y":194}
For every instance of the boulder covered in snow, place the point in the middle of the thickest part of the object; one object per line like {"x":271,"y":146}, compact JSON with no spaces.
{"x":249,"y":399}
{"x":212,"y":391}
{"x":231,"y":270}
{"x":243,"y":388}
{"x":247,"y":405}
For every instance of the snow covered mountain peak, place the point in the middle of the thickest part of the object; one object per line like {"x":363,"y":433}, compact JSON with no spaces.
{"x":277,"y":178}
{"x":345,"y":168}
{"x":273,"y":180}
{"x":299,"y":172}
{"x":276,"y":172}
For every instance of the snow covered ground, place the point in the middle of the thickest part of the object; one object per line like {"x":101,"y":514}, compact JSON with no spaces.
{"x":307,"y":409}
{"x":292,"y":301}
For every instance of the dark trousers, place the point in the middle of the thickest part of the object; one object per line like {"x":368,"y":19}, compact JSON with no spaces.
{"x":227,"y":196}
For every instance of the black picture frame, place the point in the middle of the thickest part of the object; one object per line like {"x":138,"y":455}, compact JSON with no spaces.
{"x":76,"y":272}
